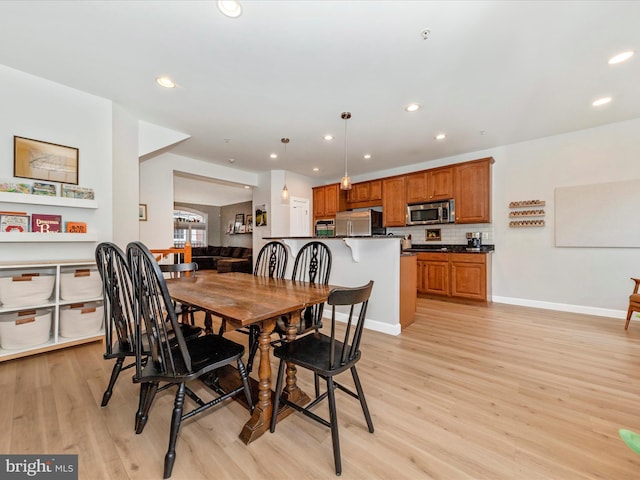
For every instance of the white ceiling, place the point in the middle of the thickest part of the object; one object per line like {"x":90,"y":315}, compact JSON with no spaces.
{"x":490,"y":73}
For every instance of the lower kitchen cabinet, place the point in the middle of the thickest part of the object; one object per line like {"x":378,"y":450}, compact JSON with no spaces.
{"x":455,"y":275}
{"x":433,"y":273}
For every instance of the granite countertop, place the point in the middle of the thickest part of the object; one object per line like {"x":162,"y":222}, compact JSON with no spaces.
{"x":440,"y":247}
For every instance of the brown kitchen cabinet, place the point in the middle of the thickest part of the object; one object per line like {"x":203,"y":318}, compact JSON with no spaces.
{"x":416,"y":187}
{"x":365,"y":194}
{"x":394,"y":205}
{"x":328,"y":200}
{"x":429,"y":185}
{"x":455,"y":275}
{"x":469,"y":276}
{"x":472,"y":191}
{"x":440,"y":184}
{"x":433,"y":273}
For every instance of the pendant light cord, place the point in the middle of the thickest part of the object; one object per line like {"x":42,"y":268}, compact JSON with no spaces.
{"x":345,"y":147}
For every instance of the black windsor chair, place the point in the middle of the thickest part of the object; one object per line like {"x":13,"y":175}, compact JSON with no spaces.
{"x":312,"y":264}
{"x":118,"y":313}
{"x":118,"y":317}
{"x":177,"y":270}
{"x":176,"y":362}
{"x":326,"y":357}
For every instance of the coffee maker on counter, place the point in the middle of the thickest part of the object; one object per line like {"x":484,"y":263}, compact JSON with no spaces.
{"x":474,"y":241}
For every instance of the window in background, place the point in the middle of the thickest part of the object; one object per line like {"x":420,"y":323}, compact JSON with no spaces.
{"x":191,"y":226}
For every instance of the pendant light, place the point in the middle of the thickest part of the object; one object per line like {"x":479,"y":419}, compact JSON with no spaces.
{"x":345,"y":183}
{"x":284,"y":195}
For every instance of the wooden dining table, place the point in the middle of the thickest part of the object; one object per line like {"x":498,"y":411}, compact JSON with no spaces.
{"x":243,"y":299}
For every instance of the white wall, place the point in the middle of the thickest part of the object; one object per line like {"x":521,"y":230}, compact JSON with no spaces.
{"x":36,"y":108}
{"x":528,"y":268}
{"x":126,"y":173}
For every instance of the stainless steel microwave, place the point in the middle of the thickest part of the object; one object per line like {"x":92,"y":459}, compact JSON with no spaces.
{"x":430,"y":213}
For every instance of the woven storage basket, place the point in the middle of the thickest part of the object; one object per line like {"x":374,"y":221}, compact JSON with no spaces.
{"x":80,"y":319}
{"x":80,"y":284}
{"x":26,"y":289}
{"x":25,"y":329}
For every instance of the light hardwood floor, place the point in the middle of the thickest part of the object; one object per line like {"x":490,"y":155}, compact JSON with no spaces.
{"x":466,"y":392}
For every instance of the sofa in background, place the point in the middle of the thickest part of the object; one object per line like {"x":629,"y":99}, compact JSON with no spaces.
{"x":207,"y":257}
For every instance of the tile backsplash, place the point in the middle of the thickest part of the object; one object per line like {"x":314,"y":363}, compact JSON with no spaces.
{"x":449,"y":233}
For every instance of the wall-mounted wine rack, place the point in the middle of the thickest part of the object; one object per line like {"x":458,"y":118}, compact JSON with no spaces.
{"x":529,"y":212}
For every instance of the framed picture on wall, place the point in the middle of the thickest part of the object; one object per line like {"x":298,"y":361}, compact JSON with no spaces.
{"x":249,"y":223}
{"x":44,"y":161}
{"x":238,"y":223}
{"x":261,"y":215}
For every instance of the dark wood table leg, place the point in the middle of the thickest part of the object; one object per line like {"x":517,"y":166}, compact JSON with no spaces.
{"x":291,"y":390}
{"x":261,"y":418}
{"x":208,"y":324}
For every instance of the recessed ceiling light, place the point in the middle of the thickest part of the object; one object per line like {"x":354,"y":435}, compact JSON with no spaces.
{"x":621,"y":57}
{"x":601,"y":101}
{"x":328,"y":137}
{"x":165,"y":82}
{"x":367,"y":156}
{"x":247,"y":186}
{"x":412,"y":107}
{"x":230,"y":8}
{"x":273,"y":155}
{"x":440,"y":136}
{"x":316,"y":169}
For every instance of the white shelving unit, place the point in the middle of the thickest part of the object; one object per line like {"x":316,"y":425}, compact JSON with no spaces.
{"x":27,"y":199}
{"x":55,"y":340}
{"x":49,"y":201}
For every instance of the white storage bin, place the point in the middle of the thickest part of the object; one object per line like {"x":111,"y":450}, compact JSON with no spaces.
{"x":26,"y":289}
{"x":25,"y":329}
{"x":80,"y":319}
{"x":80,"y":284}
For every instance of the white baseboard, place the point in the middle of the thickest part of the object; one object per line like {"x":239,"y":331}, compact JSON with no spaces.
{"x":563,"y":307}
{"x":369,"y":324}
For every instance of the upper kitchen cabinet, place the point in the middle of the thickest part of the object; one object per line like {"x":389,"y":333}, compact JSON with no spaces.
{"x":328,"y":200}
{"x":416,"y":187}
{"x":440,"y":183}
{"x":430,"y":185}
{"x":394,"y":205}
{"x":365,"y":194}
{"x":472,"y":191}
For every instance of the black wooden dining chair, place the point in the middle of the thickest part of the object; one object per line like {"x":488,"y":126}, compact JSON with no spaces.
{"x":118,"y":317}
{"x":271,"y":262}
{"x":176,"y":362}
{"x":327,"y":356}
{"x":312,"y":264}
{"x":177,"y":270}
{"x":119,"y":331}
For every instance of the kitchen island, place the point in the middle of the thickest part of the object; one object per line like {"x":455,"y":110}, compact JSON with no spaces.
{"x":355,"y":261}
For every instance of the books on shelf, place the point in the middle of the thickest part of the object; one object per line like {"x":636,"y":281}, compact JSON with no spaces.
{"x":8,"y":186}
{"x":44,"y":223}
{"x":41,"y":188}
{"x":73,"y":191}
{"x":14,"y":222}
{"x":76,"y":227}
